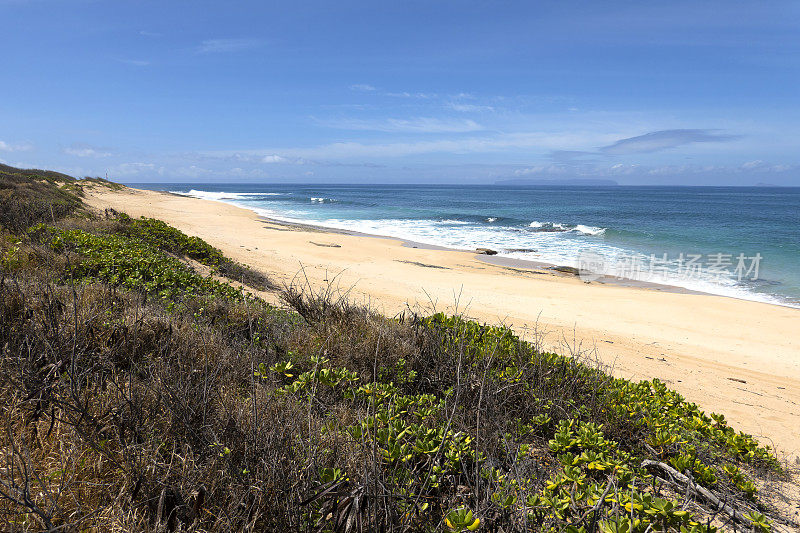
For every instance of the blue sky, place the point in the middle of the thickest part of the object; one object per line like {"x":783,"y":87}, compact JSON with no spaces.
{"x":650,"y":92}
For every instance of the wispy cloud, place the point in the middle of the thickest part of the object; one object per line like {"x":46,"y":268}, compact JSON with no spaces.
{"x":86,"y":150}
{"x":663,"y":140}
{"x":410,"y":125}
{"x":404,"y":94}
{"x":454,"y":101}
{"x":362,"y":87}
{"x":273,"y":158}
{"x":633,"y":172}
{"x":469,"y":108}
{"x":192,"y":171}
{"x":533,"y":141}
{"x":539,"y":170}
{"x":763,"y":166}
{"x":212,"y":46}
{"x":147,"y":33}
{"x":569,"y":155}
{"x":288,"y":158}
{"x":549,"y":150}
{"x":137,"y":169}
{"x":135,"y":62}
{"x":19,"y":147}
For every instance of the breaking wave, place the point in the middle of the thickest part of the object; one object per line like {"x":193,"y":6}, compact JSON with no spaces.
{"x":557,"y":227}
{"x":220,"y":196}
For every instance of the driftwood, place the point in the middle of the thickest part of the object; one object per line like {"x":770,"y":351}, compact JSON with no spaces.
{"x":683,"y":482}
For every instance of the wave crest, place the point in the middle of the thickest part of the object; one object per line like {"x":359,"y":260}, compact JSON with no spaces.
{"x":212,"y":195}
{"x":557,"y":227}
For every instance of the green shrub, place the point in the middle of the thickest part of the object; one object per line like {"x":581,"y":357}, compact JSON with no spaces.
{"x":28,"y":197}
{"x":159,"y":234}
{"x":131,"y":263}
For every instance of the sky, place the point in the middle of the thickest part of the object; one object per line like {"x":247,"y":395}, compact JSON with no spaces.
{"x":652,"y":93}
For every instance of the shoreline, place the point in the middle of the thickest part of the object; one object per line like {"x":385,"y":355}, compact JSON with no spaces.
{"x":511,"y":263}
{"x":736,"y":357}
{"x":502,"y":260}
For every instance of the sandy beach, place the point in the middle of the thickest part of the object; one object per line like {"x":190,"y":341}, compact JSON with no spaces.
{"x":735,"y":357}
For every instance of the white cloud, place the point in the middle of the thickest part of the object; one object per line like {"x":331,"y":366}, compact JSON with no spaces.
{"x":20,"y":147}
{"x":405,"y":94}
{"x":758,"y":165}
{"x":192,"y":171}
{"x":362,"y":87}
{"x":135,"y":169}
{"x":782,"y":168}
{"x":247,"y":173}
{"x":275,"y":158}
{"x":412,"y":125}
{"x":86,"y":150}
{"x":135,"y":62}
{"x":210,"y":46}
{"x":544,"y":141}
{"x":541,"y":169}
{"x":664,"y":139}
{"x":469,"y":107}
{"x":668,"y":172}
{"x":752,"y":164}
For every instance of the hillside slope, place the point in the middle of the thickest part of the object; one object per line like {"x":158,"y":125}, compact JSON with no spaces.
{"x":143,"y":394}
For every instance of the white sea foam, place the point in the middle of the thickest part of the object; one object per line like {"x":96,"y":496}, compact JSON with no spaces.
{"x":562,"y":245}
{"x":551,"y":226}
{"x":549,"y":248}
{"x":466,"y":236}
{"x":589,"y":230}
{"x":219,"y":196}
{"x":556,"y":227}
{"x":491,"y":219}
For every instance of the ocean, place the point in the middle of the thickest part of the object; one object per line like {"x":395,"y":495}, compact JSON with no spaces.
{"x":742,"y":242}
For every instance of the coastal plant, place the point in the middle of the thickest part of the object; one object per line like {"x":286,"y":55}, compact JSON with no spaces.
{"x":130,"y":263}
{"x":461,"y":520}
{"x":166,"y":238}
{"x":11,"y":258}
{"x":159,"y":234}
{"x":28,"y":197}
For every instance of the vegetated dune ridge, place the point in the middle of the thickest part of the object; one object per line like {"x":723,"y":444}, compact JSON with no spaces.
{"x":735,"y":357}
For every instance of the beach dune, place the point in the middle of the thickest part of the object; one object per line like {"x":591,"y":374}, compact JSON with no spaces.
{"x":735,"y":357}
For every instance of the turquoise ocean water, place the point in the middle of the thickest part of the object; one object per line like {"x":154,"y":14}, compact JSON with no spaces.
{"x":742,"y":242}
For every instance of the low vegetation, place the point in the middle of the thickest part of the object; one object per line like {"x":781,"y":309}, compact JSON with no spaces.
{"x":157,"y":234}
{"x":142,"y":394}
{"x":30,"y":196}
